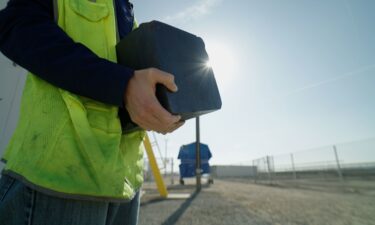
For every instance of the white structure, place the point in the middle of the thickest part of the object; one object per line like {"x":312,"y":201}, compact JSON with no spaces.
{"x":233,"y":171}
{"x":12,"y":80}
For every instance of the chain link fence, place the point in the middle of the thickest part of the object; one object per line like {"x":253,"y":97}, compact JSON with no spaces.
{"x":340,"y":161}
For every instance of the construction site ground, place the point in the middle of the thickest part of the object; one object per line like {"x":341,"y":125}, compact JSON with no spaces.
{"x":241,"y":201}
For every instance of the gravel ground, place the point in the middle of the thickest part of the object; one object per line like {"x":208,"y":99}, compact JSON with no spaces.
{"x":242,"y":202}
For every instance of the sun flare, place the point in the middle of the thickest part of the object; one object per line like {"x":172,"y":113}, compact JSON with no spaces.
{"x":221,"y":60}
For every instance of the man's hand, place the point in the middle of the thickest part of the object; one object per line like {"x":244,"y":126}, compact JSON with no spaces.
{"x":143,"y":106}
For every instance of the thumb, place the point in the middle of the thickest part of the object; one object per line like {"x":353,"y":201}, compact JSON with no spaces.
{"x":167,"y":80}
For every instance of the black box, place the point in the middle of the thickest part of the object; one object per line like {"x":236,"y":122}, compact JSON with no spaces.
{"x":180,"y":53}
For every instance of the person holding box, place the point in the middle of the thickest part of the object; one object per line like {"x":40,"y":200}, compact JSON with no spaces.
{"x":69,"y":161}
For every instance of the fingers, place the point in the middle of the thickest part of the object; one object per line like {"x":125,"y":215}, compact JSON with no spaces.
{"x":166,"y":79}
{"x":155,"y":117}
{"x":174,"y":127}
{"x":163,"y":115}
{"x":162,"y":120}
{"x":143,"y":106}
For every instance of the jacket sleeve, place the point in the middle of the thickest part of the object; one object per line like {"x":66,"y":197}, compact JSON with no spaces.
{"x":30,"y":37}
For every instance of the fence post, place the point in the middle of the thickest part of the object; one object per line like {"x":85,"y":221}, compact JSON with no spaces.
{"x":293,"y":167}
{"x":269,"y":168}
{"x":255,"y":171}
{"x":337,"y":162}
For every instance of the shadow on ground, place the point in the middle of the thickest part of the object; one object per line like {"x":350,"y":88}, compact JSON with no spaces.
{"x":172,"y":219}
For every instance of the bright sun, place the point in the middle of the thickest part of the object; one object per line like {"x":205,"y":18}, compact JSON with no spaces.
{"x":222,"y":61}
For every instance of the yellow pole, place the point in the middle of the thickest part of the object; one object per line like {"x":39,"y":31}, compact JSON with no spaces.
{"x":155,"y":169}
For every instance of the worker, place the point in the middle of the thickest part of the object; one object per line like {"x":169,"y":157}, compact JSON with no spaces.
{"x":69,"y":160}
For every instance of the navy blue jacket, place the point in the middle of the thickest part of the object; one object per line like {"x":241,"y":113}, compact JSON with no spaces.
{"x":30,"y":37}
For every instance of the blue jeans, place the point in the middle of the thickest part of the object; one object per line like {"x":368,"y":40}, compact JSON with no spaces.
{"x":21,"y":205}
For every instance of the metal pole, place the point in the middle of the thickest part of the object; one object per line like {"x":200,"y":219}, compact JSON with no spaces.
{"x":198,"y":155}
{"x":165,"y":157}
{"x":172,"y":179}
{"x":337,"y":162}
{"x":293,"y":167}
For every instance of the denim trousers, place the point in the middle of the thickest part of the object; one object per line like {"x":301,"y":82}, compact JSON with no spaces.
{"x":21,"y":205}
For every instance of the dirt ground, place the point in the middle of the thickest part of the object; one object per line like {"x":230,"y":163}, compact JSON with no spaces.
{"x":241,"y":202}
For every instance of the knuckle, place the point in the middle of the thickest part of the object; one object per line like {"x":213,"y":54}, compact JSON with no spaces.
{"x":142,"y":115}
{"x":169,"y":121}
{"x":145,"y":106}
{"x":153,"y":108}
{"x":152,"y":70}
{"x":149,"y":109}
{"x":164,"y":121}
{"x":169,"y":77}
{"x":149,"y":73}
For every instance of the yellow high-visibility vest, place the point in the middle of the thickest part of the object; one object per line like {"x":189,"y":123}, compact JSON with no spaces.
{"x":68,"y":144}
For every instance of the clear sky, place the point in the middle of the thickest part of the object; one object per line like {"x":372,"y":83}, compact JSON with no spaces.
{"x":293,"y":75}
